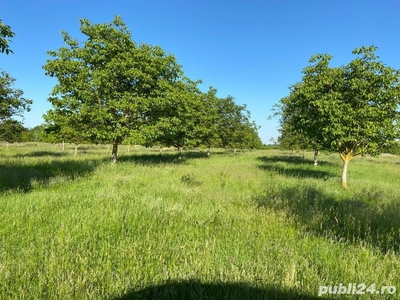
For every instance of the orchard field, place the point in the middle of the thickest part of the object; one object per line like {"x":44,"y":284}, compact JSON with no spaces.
{"x":260,"y":224}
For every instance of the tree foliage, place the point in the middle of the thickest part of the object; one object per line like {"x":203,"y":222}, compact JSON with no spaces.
{"x":12,"y":102}
{"x":5,"y":34}
{"x":109,"y":81}
{"x":234,"y":126}
{"x":352,"y":109}
{"x":12,"y":131}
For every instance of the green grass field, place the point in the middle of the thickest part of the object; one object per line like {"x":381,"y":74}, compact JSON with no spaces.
{"x":251,"y":225}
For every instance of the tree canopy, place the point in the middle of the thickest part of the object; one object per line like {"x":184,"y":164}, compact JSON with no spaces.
{"x":352,"y":109}
{"x":109,"y":81}
{"x":12,"y":104}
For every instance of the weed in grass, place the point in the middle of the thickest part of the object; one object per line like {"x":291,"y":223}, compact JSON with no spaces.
{"x":190,"y":180}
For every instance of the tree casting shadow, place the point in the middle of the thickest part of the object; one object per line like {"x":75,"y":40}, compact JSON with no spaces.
{"x":188,"y":290}
{"x":297,"y":167}
{"x":358,"y":218}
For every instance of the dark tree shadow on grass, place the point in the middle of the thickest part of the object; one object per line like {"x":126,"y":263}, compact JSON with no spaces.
{"x":194,"y":290}
{"x":22,"y":177}
{"x":44,"y":153}
{"x":293,"y":167}
{"x":364,"y":217}
{"x":292,"y":159}
{"x":162,"y":158}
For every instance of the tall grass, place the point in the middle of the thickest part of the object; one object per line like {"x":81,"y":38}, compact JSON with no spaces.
{"x":255,"y":225}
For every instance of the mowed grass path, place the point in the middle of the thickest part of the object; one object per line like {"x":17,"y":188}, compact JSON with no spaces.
{"x":255,"y":225}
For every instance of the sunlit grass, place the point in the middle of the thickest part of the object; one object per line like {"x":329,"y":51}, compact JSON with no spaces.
{"x":255,"y":225}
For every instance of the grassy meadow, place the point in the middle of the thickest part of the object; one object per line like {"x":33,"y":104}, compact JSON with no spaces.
{"x":251,"y":225}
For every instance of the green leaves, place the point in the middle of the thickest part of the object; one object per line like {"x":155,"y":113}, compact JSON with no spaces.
{"x":108,"y":81}
{"x":12,"y":102}
{"x":5,"y":34}
{"x":350,"y":108}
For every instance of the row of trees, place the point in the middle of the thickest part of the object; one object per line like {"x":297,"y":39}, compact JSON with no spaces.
{"x":111,"y":89}
{"x":352,"y":110}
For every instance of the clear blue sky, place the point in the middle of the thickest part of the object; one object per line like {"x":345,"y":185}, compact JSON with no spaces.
{"x":252,"y":50}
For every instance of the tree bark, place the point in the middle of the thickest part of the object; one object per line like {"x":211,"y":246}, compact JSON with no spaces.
{"x":208,"y":151}
{"x":346,"y":159}
{"x":62,"y":145}
{"x":316,"y":152}
{"x":304,"y":154}
{"x":76,"y":150}
{"x":114,"y":152}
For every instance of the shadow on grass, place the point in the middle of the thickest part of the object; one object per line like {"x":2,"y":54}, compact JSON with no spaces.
{"x":161,"y":158}
{"x":44,"y":153}
{"x":23,"y":177}
{"x":365,"y":217}
{"x":188,"y":290}
{"x":293,"y":166}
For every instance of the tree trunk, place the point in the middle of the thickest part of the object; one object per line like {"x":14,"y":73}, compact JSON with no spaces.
{"x":208,"y":151}
{"x":76,"y":150}
{"x":304,"y":154}
{"x":346,"y":159}
{"x":316,"y":157}
{"x":114,"y":152}
{"x":234,"y":150}
{"x":292,"y":151}
{"x":179,"y":152}
{"x":62,"y":145}
{"x":129,"y":148}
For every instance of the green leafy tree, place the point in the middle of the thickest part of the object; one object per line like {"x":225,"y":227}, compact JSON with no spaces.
{"x":109,"y":82}
{"x":352,"y":110}
{"x":289,"y":138}
{"x":36,"y":133}
{"x":12,"y":102}
{"x":234,"y":127}
{"x":5,"y":34}
{"x":180,"y":120}
{"x":209,"y":114}
{"x":12,"y":131}
{"x":66,"y":126}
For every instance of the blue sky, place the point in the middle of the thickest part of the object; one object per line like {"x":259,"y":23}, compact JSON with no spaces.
{"x":251,"y":50}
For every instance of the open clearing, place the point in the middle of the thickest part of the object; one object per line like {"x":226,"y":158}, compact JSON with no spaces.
{"x":252,"y":225}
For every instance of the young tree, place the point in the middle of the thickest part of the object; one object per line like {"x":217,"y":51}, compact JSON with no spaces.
{"x":5,"y":34}
{"x":109,"y":81}
{"x":352,"y":110}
